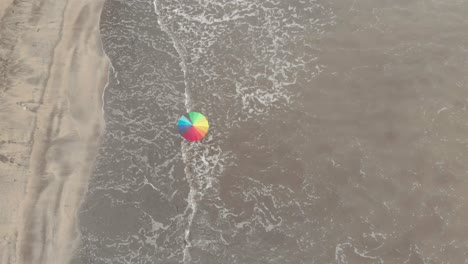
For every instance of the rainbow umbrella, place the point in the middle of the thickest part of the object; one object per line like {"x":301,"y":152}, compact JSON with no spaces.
{"x":193,"y":126}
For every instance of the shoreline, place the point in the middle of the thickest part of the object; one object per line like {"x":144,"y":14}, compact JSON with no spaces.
{"x":138,"y":185}
{"x":55,"y":50}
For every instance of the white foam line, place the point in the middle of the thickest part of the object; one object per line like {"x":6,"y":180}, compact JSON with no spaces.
{"x":191,"y":199}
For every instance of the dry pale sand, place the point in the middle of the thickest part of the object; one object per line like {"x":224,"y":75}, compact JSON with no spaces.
{"x":52,"y":76}
{"x":4,"y":4}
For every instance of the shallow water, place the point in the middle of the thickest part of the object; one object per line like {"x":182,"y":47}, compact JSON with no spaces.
{"x":337,"y":135}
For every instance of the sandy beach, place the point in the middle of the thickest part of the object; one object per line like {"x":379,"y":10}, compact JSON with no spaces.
{"x":337,"y":134}
{"x":53,"y":73}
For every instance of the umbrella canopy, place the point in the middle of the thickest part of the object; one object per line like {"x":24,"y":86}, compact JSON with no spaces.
{"x":193,"y":126}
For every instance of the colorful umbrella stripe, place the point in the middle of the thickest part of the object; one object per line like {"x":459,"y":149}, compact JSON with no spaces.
{"x":193,"y":126}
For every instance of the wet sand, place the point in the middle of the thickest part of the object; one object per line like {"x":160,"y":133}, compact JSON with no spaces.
{"x":53,"y":76}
